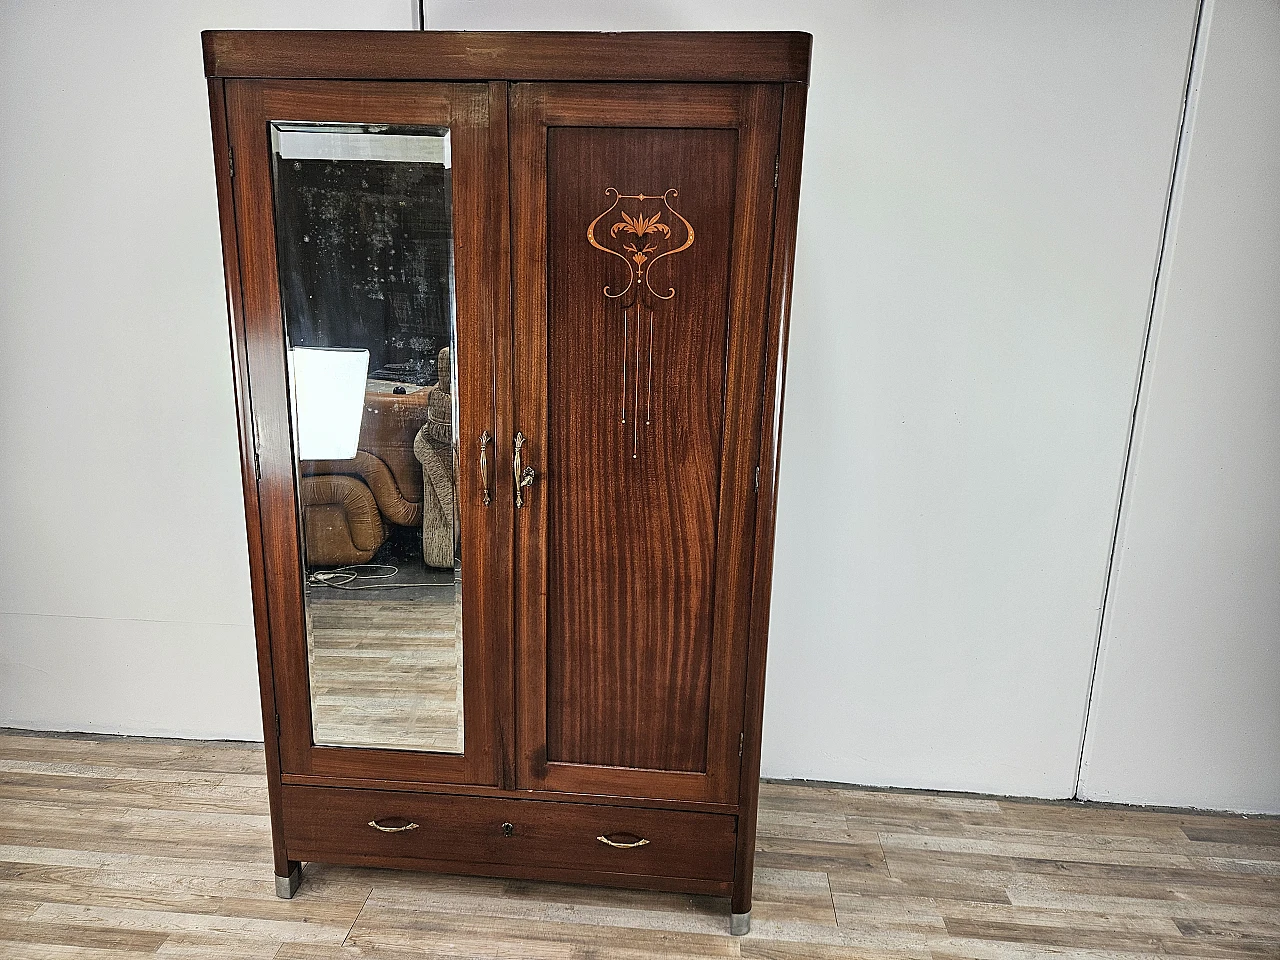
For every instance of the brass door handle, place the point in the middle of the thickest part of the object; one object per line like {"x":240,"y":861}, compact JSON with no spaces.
{"x":410,"y":825}
{"x":523,"y":475}
{"x":638,"y":842}
{"x":484,"y":466}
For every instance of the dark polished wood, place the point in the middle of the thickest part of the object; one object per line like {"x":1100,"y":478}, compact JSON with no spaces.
{"x":464,"y":109}
{"x":622,"y":616}
{"x":479,"y":790}
{"x":334,"y":824}
{"x":779,"y":321}
{"x":248,"y":470}
{"x":631,"y":501}
{"x":615,"y":626}
{"x":462,"y":55}
{"x":502,"y":550}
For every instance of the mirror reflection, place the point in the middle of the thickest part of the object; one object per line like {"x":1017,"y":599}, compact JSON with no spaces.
{"x":365,"y":249}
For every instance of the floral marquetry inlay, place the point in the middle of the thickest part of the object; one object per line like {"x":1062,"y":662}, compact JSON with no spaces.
{"x":643,"y":233}
{"x":638,"y":237}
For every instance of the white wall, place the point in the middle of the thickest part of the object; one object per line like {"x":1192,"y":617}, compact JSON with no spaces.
{"x":1186,"y":708}
{"x":983,"y":196}
{"x":124,"y":585}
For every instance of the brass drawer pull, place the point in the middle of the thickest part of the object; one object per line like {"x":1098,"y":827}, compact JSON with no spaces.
{"x":401,"y":829}
{"x":638,"y":842}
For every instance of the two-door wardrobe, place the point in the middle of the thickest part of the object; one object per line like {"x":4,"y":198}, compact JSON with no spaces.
{"x":508,"y":326}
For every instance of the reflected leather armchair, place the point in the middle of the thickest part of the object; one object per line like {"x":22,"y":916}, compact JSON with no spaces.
{"x":348,"y":505}
{"x":340,"y":520}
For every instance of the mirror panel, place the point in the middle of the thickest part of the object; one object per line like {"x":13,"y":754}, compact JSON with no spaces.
{"x":364,"y":239}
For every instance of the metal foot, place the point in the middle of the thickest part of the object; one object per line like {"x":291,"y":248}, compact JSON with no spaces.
{"x":286,"y":887}
{"x":740,"y":924}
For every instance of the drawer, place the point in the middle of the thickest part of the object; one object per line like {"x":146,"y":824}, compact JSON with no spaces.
{"x":334,"y":824}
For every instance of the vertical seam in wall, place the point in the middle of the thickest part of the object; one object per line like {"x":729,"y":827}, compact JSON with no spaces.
{"x":1199,"y":39}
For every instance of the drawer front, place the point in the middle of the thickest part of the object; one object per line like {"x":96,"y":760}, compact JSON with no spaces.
{"x":333,"y":823}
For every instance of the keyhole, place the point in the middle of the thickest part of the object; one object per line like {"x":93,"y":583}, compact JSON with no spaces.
{"x":508,"y":829}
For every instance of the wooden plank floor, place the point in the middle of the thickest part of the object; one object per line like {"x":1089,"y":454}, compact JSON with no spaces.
{"x":123,"y":848}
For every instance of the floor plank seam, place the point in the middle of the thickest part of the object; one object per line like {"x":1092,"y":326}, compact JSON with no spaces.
{"x":364,"y":903}
{"x":884,"y":856}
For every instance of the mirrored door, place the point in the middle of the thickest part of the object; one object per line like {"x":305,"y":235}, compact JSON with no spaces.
{"x":364,"y":244}
{"x":371,"y":359}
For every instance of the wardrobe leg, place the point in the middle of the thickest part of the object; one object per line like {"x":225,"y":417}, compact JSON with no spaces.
{"x":286,"y":887}
{"x":743,"y":874}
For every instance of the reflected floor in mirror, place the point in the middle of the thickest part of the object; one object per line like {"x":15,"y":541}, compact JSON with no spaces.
{"x":386,"y":663}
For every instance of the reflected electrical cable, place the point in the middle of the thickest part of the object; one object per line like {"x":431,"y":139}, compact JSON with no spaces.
{"x":348,"y":578}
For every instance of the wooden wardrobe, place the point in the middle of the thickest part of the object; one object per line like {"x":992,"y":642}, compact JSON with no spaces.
{"x":525,"y":293}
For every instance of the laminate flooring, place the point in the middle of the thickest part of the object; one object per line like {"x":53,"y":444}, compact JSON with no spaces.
{"x":121,"y":848}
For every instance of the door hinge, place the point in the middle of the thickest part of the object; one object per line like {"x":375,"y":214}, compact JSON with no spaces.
{"x":776,"y":163}
{"x":757,"y":479}
{"x":257,"y":454}
{"x":257,"y":464}
{"x":741,"y":739}
{"x":277,"y":726}
{"x":231,"y":165}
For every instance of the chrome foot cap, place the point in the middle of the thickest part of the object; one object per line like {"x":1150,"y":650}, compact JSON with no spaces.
{"x":740,"y":924}
{"x":286,"y":887}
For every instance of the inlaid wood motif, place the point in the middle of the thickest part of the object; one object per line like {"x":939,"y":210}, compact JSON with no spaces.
{"x":640,"y":237}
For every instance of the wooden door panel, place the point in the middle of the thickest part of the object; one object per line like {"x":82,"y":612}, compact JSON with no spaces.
{"x":481,"y":306}
{"x":637,"y":388}
{"x":642,"y":230}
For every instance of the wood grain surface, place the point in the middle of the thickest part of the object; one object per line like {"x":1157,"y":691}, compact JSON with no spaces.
{"x":127,"y":848}
{"x":787,"y":206}
{"x":247,"y":442}
{"x":633,"y":447}
{"x":480,"y":55}
{"x":509,"y":837}
{"x":633,"y":602}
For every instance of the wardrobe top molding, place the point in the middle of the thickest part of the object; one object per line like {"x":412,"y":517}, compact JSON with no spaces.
{"x":701,"y":57}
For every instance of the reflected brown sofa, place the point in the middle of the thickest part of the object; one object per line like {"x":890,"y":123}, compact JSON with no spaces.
{"x":348,"y":505}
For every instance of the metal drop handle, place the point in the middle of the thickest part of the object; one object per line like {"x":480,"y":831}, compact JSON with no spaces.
{"x":638,"y":842}
{"x":484,"y":466}
{"x":408,"y":826}
{"x":523,"y":475}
